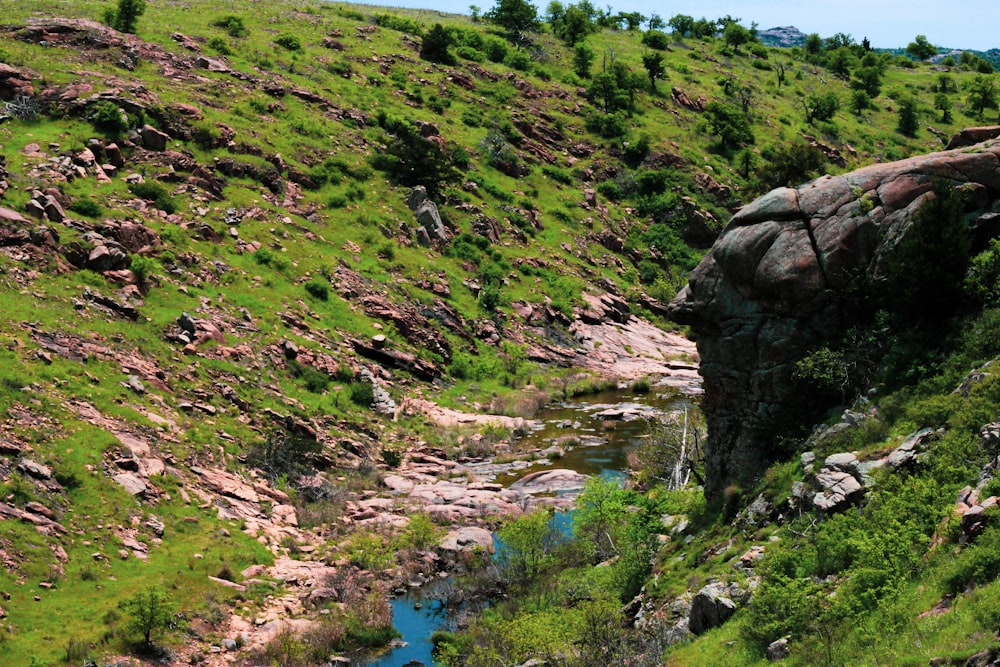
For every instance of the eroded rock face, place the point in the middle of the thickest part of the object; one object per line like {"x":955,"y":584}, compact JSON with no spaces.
{"x":768,"y":291}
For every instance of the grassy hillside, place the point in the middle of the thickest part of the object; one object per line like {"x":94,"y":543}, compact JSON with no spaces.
{"x":277,"y":219}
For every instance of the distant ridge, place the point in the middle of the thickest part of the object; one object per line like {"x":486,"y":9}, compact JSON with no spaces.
{"x":787,"y":36}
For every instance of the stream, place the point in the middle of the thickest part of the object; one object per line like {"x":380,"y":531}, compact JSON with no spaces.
{"x":591,"y":435}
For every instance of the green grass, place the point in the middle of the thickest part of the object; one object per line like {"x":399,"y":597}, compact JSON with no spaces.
{"x":306,"y":239}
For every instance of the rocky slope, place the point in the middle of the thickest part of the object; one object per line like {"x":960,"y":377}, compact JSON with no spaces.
{"x":772,"y":288}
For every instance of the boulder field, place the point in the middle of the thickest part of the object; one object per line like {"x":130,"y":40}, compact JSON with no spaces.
{"x":769,"y":290}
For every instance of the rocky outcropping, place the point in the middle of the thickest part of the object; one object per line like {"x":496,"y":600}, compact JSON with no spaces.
{"x":768,"y":291}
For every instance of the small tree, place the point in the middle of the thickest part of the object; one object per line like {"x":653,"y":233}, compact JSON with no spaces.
{"x":943,"y":104}
{"x":859,"y":102}
{"x":869,"y":80}
{"x":788,"y":164}
{"x":150,"y":611}
{"x":821,"y":107}
{"x":525,"y":544}
{"x":574,"y":25}
{"x":434,"y":46}
{"x":653,"y":62}
{"x":736,"y":35}
{"x":928,"y":264}
{"x":516,"y":17}
{"x":920,"y":48}
{"x":730,"y":123}
{"x":125,"y":18}
{"x":583,"y":58}
{"x":982,"y":94}
{"x":681,"y":24}
{"x":909,"y":119}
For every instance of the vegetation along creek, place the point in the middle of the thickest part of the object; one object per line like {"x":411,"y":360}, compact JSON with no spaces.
{"x":592,"y":436}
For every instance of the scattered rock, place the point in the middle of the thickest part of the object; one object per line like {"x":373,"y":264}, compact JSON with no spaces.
{"x":132,"y":483}
{"x":777,"y":650}
{"x":710,"y":609}
{"x":550,"y":481}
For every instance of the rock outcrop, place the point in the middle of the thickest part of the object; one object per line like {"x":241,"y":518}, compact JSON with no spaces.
{"x":768,"y":291}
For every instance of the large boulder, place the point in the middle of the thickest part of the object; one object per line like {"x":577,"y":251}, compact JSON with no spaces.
{"x":710,"y":608}
{"x":769,"y":291}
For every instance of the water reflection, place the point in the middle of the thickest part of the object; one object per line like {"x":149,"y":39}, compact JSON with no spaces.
{"x":593,"y":437}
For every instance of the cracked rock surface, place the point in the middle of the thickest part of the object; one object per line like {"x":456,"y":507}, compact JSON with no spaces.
{"x":766,"y":294}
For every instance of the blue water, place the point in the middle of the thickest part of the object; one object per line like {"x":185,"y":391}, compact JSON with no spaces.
{"x":416,"y":626}
{"x":607,"y":460}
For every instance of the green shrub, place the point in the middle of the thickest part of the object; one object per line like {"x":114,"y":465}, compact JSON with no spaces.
{"x":206,"y":135}
{"x":142,"y":267}
{"x":108,"y":117}
{"x":518,"y":59}
{"x":220,"y":46}
{"x":87,"y":207}
{"x":496,"y":49}
{"x":289,"y":42}
{"x":469,"y":53}
{"x":608,"y":125}
{"x":318,"y":288}
{"x":656,"y":39}
{"x":125,"y":16}
{"x":232,"y":24}
{"x":399,"y":23}
{"x":361,"y":393}
{"x":156,"y":193}
{"x":490,"y":298}
{"x":314,"y":380}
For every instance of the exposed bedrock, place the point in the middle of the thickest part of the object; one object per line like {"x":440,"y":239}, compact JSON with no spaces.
{"x":768,"y":291}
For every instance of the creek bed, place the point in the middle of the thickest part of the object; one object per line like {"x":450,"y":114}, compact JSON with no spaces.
{"x":593,"y":436}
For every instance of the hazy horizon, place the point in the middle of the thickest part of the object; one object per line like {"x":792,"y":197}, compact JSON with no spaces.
{"x":960,"y":24}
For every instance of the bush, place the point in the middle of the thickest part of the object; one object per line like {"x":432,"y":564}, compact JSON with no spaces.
{"x":220,"y":46}
{"x":156,"y":193}
{"x":87,"y":207}
{"x":318,"y":288}
{"x":730,"y":123}
{"x":496,"y":49}
{"x":108,"y":117}
{"x":361,"y":393}
{"x":150,"y":611}
{"x":656,"y":39}
{"x":609,"y":125}
{"x":232,"y":24}
{"x":518,"y":59}
{"x":399,"y":23}
{"x":289,"y":42}
{"x":125,"y":17}
{"x":142,"y":267}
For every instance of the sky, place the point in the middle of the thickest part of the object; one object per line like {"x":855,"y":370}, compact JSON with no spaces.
{"x":960,"y":24}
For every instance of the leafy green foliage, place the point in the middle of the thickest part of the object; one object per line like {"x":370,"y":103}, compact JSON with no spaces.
{"x":981,"y":94}
{"x":434,"y":46}
{"x":232,"y":24}
{"x":154,"y":192}
{"x":526,"y":545}
{"x":929,"y":263}
{"x":821,"y":107}
{"x":615,"y":88}
{"x":515,"y":17}
{"x":124,"y":17}
{"x":909,"y":120}
{"x":789,"y":164}
{"x":729,"y":123}
{"x":149,"y":611}
{"x":289,"y":42}
{"x":412,"y":159}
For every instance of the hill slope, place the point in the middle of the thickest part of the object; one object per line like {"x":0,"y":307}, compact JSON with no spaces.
{"x":222,"y":281}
